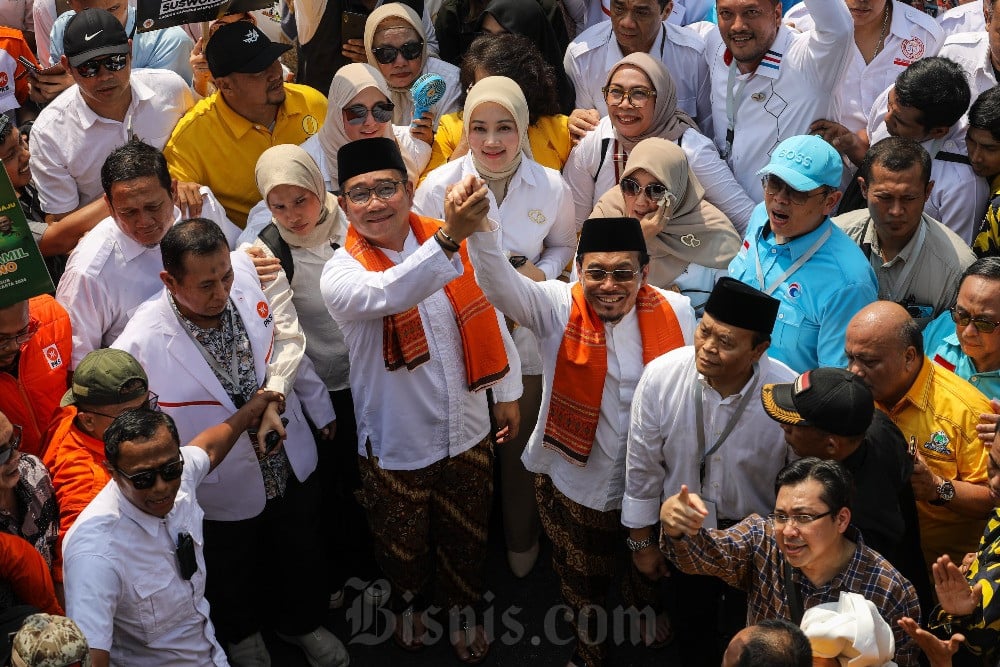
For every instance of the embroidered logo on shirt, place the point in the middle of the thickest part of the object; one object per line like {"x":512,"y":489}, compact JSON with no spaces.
{"x":912,"y":48}
{"x":310,"y":125}
{"x":938,"y":443}
{"x":772,"y":60}
{"x":941,"y":361}
{"x":536,"y":216}
{"x":745,"y":247}
{"x":758,"y":97}
{"x":52,"y":356}
{"x":795,"y":290}
{"x":262,"y":309}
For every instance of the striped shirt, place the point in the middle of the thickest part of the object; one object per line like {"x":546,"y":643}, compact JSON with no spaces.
{"x":746,"y":557}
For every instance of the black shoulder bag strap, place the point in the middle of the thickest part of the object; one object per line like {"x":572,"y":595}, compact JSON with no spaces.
{"x":272,"y":239}
{"x":605,"y":142}
{"x":793,"y":594}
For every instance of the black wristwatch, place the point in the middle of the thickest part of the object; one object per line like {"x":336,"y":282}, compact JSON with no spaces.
{"x":946,"y":493}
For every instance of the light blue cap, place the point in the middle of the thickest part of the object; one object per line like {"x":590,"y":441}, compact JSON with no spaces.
{"x":805,"y":162}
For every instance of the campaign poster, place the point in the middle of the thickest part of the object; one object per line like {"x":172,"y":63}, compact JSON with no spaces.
{"x":160,"y":14}
{"x":22,"y":269}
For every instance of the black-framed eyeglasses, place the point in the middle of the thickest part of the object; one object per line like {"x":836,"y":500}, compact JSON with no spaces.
{"x":145,"y":479}
{"x":381,"y":112}
{"x":780,"y":518}
{"x":112,"y":63}
{"x":20,"y":338}
{"x":13,"y":444}
{"x":385,"y":190}
{"x":654,"y":191}
{"x":152,"y":402}
{"x":773,"y":186}
{"x":963,"y":319}
{"x":637,"y":97}
{"x":387,"y":54}
{"x":617,"y":275}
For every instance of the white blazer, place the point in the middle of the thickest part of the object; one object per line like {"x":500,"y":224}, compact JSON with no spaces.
{"x":190,"y":393}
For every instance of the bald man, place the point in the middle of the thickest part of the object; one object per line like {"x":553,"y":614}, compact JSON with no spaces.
{"x":775,"y":642}
{"x":937,"y":412}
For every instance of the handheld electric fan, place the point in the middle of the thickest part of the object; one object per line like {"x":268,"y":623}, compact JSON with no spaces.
{"x":427,"y":91}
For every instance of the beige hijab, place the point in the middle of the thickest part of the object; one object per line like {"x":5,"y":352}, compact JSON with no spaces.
{"x":505,"y":92}
{"x":668,"y":121}
{"x":403,"y":113}
{"x":288,"y":164}
{"x":696,"y":232}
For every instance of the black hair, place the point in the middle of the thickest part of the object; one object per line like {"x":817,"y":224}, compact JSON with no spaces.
{"x":134,"y":159}
{"x":984,"y":114}
{"x":937,"y":88}
{"x":896,"y":154}
{"x":911,"y":336}
{"x":834,"y":477}
{"x":140,"y":424}
{"x":197,"y":236}
{"x":515,"y":57}
{"x":776,"y":642}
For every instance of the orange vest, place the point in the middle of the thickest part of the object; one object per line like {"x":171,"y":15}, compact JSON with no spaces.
{"x":32,"y":397}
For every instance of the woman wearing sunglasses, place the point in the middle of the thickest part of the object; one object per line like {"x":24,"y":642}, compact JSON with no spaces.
{"x":532,"y":204}
{"x":396,"y":44}
{"x":690,"y":241}
{"x":642,"y":103}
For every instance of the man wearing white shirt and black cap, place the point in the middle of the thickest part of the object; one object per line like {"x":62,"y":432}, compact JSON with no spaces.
{"x":709,"y":390}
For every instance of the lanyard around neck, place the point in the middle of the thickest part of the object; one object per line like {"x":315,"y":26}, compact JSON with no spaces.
{"x":730,"y":425}
{"x":734,"y":97}
{"x":806,"y":256}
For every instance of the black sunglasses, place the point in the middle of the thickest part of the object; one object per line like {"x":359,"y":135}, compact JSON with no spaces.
{"x":147,"y":478}
{"x":12,"y":445}
{"x":387,"y":54}
{"x":113,"y":63}
{"x":381,"y":112}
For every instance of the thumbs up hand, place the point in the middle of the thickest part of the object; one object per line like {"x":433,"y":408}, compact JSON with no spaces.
{"x":683,"y":513}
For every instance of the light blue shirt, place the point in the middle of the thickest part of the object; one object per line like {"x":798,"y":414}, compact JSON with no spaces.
{"x":942,"y":347}
{"x":169,"y":48}
{"x":818,"y":300}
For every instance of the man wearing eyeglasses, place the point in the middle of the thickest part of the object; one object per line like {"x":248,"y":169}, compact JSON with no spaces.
{"x":937,"y":411}
{"x":218,"y":142}
{"x":794,"y":252}
{"x":803,"y":554}
{"x":134,"y":564}
{"x":110,"y":104}
{"x":36,"y":346}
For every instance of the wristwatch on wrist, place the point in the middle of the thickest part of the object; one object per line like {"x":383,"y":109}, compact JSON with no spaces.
{"x":634,"y":545}
{"x":945,"y":491}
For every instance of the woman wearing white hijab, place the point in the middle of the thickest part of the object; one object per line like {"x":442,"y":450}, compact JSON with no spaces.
{"x":533,"y":206}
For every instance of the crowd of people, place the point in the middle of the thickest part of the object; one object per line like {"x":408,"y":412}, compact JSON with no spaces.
{"x":709,"y":291}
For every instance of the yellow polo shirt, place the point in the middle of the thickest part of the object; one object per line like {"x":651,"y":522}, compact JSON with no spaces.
{"x":941,"y":410}
{"x":215,"y":146}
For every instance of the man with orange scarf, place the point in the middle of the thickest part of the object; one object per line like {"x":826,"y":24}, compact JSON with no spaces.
{"x":424,"y":345}
{"x":595,"y":336}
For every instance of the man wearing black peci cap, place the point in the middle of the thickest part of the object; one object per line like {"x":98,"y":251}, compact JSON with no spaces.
{"x":696,"y":420}
{"x":595,"y":337}
{"x":217,"y":144}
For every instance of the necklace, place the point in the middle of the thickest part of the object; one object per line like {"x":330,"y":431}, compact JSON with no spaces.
{"x":885,"y":24}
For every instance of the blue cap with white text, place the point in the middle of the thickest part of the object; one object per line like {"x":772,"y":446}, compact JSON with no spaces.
{"x":805,"y":162}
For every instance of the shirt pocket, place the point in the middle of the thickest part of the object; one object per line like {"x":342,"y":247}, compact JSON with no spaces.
{"x":794,"y":330}
{"x":161,"y":602}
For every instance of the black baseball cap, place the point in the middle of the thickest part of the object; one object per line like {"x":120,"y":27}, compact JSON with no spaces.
{"x":93,"y":33}
{"x":831,"y":399}
{"x":241,"y":47}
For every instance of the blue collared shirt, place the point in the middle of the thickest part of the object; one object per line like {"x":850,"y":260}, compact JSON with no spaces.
{"x":942,"y":346}
{"x":169,"y":48}
{"x":818,"y":300}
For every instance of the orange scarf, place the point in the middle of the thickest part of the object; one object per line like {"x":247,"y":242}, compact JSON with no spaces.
{"x":582,"y":366}
{"x":404,"y":342}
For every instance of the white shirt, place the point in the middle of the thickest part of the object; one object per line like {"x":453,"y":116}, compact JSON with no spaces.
{"x":69,"y":142}
{"x":43,"y":16}
{"x":912,"y":35}
{"x":589,"y":177}
{"x":595,"y":51}
{"x":545,"y":308}
{"x":785,"y":94}
{"x":8,"y":67}
{"x":971,"y":50}
{"x":959,"y":197}
{"x":663,"y":449}
{"x":109,"y":275}
{"x":412,"y":418}
{"x":964,"y":18}
{"x":123,"y":583}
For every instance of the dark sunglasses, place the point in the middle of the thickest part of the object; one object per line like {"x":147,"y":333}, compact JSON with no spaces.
{"x":152,"y":402}
{"x":147,"y":478}
{"x":962,"y":319}
{"x":113,"y":63}
{"x":12,"y":445}
{"x":387,"y":54}
{"x":654,"y":191}
{"x":381,"y":112}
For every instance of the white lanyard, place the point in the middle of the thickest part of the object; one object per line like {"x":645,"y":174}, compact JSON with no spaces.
{"x":734,"y":97}
{"x":806,"y":256}
{"x":730,"y":425}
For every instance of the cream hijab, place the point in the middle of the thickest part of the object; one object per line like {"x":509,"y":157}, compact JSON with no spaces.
{"x":505,"y":92}
{"x":696,"y":232}
{"x":288,"y":164}
{"x":403,"y":113}
{"x":347,"y":83}
{"x":668,"y":121}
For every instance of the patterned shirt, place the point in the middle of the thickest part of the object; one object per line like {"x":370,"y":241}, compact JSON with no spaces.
{"x":987,"y":242}
{"x":747,"y":557}
{"x":219,"y":344}
{"x":37,"y":519}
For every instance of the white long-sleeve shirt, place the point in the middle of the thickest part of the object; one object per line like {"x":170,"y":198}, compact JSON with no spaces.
{"x":663,"y":449}
{"x":412,"y":418}
{"x":545,"y":308}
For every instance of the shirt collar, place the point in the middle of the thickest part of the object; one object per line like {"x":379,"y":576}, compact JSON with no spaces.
{"x":147,"y":522}
{"x":770,"y":66}
{"x":129,"y":246}
{"x":904,"y":255}
{"x":918,"y":393}
{"x":758,"y":370}
{"x":800,"y":244}
{"x":88,"y":118}
{"x":239,"y":125}
{"x":837,"y":582}
{"x":614,"y":51}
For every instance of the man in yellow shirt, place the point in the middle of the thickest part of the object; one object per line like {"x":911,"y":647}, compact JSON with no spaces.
{"x":937,"y":412}
{"x":218,"y":141}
